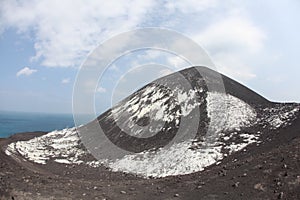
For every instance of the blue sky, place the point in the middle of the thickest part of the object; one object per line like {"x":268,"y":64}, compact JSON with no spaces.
{"x":43,"y":44}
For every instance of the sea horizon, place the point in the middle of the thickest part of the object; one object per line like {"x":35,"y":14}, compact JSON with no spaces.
{"x":12,"y":122}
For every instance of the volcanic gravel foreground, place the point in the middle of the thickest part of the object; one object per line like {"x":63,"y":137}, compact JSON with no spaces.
{"x":244,"y":147}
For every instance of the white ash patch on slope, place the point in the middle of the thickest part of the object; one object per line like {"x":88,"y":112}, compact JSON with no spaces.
{"x":182,"y":158}
{"x":176,"y":160}
{"x":158,"y":105}
{"x":10,"y":149}
{"x":280,"y":116}
{"x":179,"y":159}
{"x":187,"y":101}
{"x":152,"y":101}
{"x":228,"y":113}
{"x":63,"y":146}
{"x":247,"y":139}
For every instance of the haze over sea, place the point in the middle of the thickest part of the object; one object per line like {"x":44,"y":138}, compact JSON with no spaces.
{"x":15,"y":122}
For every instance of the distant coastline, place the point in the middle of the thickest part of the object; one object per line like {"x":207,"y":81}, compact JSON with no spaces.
{"x":12,"y":122}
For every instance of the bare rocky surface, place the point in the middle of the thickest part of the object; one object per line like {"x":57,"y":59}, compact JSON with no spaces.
{"x":270,"y":171}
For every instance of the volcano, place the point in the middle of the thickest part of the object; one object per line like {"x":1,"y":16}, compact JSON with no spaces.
{"x":194,"y":134}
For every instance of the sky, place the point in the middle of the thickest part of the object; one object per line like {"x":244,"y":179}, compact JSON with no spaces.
{"x":44,"y":43}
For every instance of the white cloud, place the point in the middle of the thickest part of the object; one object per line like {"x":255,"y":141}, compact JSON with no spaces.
{"x":176,"y":61}
{"x":231,"y":43}
{"x":64,"y":32}
{"x":190,"y":6}
{"x":234,"y":33}
{"x":65,"y":80}
{"x":101,"y":90}
{"x":114,"y":67}
{"x":234,"y":68}
{"x":165,"y":72}
{"x":26,"y":71}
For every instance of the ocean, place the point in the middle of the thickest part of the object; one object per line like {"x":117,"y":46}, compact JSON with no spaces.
{"x":17,"y":122}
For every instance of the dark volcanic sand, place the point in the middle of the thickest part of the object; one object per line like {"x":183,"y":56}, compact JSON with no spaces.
{"x":269,"y":171}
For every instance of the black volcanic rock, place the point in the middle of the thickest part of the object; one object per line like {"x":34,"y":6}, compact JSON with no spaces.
{"x":189,"y":135}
